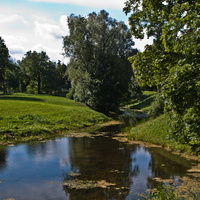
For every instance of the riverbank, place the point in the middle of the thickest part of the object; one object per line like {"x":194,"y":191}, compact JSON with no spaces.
{"x":25,"y":117}
{"x":157,"y":131}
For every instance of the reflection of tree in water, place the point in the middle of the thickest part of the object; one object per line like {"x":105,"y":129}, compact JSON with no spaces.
{"x":100,"y":159}
{"x":166,"y":165}
{"x":3,"y":157}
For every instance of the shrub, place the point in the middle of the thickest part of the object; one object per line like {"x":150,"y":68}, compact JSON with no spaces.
{"x":157,"y":107}
{"x":186,"y":128}
{"x":31,"y":89}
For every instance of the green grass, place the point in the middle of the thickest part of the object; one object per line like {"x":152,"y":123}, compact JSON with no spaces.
{"x":145,"y":103}
{"x":29,"y":116}
{"x":156,"y":131}
{"x":153,"y":131}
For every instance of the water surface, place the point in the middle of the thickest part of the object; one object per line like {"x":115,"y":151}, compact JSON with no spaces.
{"x":38,"y":170}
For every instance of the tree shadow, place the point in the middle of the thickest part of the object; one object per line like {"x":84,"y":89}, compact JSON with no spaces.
{"x":20,"y":98}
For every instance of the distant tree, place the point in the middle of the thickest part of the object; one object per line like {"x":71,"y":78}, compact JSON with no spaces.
{"x":14,"y":77}
{"x":62,"y":81}
{"x":49,"y":77}
{"x":35,"y":65}
{"x":98,"y":47}
{"x":4,"y":64}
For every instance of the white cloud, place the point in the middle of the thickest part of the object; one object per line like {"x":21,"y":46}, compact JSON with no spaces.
{"x":51,"y":30}
{"x":25,"y":29}
{"x":11,"y":19}
{"x":117,"y":4}
{"x":49,"y":34}
{"x":24,"y":32}
{"x":140,"y":44}
{"x":17,"y":49}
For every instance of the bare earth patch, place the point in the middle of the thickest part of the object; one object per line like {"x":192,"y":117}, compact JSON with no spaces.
{"x":189,"y":188}
{"x":122,"y":137}
{"x":87,"y":184}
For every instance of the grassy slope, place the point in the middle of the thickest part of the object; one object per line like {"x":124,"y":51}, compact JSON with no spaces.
{"x":24,"y":115}
{"x":155,"y":131}
{"x":145,"y":103}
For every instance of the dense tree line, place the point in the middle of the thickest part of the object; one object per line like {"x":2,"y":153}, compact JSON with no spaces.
{"x":35,"y":73}
{"x":172,"y":63}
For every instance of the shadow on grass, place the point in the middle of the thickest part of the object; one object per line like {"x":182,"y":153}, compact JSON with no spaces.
{"x":20,"y":98}
{"x":144,"y":103}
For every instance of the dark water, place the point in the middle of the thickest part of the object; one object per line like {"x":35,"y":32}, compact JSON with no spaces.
{"x":37,"y":170}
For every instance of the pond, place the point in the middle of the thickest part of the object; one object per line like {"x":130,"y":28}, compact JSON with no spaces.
{"x":84,"y":168}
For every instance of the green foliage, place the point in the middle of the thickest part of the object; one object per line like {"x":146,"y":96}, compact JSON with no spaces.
{"x":145,"y":101}
{"x":157,"y":107}
{"x":38,"y":69}
{"x":31,"y":89}
{"x":62,"y":81}
{"x":185,"y":128}
{"x":25,"y":115}
{"x":153,"y":131}
{"x":157,"y":131}
{"x":172,"y":63}
{"x":162,"y":193}
{"x":152,"y":67}
{"x":4,"y":65}
{"x":134,"y":90}
{"x":99,"y":71}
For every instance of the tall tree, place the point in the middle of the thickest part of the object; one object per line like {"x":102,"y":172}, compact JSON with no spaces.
{"x":62,"y":81}
{"x":173,"y":61}
{"x":4,"y":64}
{"x":98,"y":47}
{"x":14,"y":77}
{"x":35,"y":65}
{"x":49,"y":77}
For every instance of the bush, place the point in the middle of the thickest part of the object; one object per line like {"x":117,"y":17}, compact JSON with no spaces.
{"x":70,"y":95}
{"x":157,"y":107}
{"x":186,"y":128}
{"x":31,"y":89}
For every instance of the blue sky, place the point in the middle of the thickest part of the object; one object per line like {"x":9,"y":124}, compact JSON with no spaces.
{"x":40,"y":24}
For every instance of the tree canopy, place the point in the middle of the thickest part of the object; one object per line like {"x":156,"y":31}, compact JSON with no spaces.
{"x":35,"y":73}
{"x":98,"y":47}
{"x":35,"y":65}
{"x":172,"y":62}
{"x":4,"y":64}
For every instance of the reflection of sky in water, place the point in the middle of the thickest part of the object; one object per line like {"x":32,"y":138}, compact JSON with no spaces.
{"x":34,"y":166}
{"x":35,"y":170}
{"x":141,"y":171}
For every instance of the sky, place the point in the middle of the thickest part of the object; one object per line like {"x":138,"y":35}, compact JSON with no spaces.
{"x":40,"y":24}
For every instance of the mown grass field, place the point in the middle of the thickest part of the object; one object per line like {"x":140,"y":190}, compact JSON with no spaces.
{"x":27,"y":116}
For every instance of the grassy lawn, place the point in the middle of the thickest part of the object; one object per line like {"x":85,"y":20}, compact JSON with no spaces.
{"x":26,"y":116}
